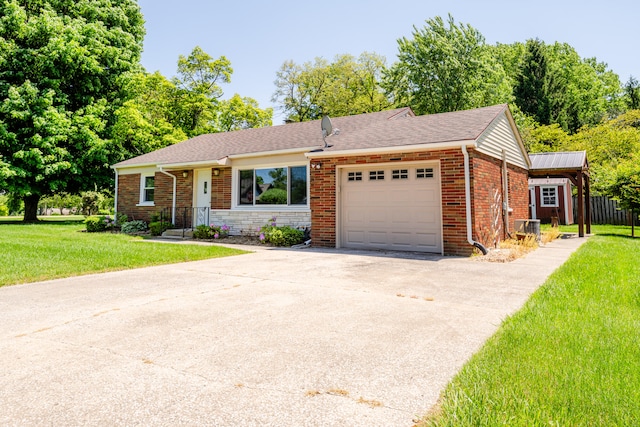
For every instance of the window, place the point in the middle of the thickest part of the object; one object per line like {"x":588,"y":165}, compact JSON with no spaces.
{"x":400,"y":174}
{"x":424,"y":173}
{"x":376,"y":175}
{"x":147,"y":187}
{"x":354,"y":176}
{"x":273,"y":186}
{"x":549,"y":196}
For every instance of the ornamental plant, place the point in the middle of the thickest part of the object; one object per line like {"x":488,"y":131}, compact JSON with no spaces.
{"x":212,"y":231}
{"x":280,"y":236}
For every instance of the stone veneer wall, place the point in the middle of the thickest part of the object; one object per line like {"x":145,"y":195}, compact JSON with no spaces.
{"x":244,"y":222}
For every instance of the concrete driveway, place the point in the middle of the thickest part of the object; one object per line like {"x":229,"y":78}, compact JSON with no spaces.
{"x":276,"y":337}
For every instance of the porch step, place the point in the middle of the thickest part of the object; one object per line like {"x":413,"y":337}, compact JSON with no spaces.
{"x":177,"y":233}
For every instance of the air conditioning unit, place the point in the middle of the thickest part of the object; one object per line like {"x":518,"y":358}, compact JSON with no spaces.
{"x":528,"y":226}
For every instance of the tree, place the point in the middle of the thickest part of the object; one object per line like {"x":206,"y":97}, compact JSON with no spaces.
{"x":625,"y":186}
{"x":241,"y":113}
{"x":632,"y":92}
{"x":61,"y":69}
{"x":533,"y":82}
{"x":446,"y":68}
{"x":148,"y":121}
{"x":344,"y":87}
{"x":199,"y":75}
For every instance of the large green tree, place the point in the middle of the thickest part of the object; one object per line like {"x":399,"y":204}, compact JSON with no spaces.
{"x":533,"y":81}
{"x":446,"y":67}
{"x":344,"y":87}
{"x":61,"y":68}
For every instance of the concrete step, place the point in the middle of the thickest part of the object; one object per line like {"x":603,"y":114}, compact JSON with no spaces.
{"x":177,"y":233}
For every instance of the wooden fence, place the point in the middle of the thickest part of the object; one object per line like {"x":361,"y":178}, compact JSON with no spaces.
{"x":605,"y":211}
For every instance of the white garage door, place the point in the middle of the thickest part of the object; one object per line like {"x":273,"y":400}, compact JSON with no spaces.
{"x":392,"y":207}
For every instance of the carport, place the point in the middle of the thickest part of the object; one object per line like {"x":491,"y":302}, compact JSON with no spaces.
{"x":572,"y":165}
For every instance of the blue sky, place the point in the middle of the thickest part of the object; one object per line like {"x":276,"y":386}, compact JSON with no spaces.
{"x":258,"y":36}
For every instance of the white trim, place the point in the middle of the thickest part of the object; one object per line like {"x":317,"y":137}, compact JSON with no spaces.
{"x":235,"y":190}
{"x":142,"y":201}
{"x":549,"y":187}
{"x":173,"y":199}
{"x":272,"y":153}
{"x":395,"y":149}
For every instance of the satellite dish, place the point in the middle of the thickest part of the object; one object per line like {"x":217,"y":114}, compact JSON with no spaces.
{"x":327,"y":127}
{"x":327,"y":130}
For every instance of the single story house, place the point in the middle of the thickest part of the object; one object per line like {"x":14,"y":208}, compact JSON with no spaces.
{"x":551,"y":198}
{"x":440,"y":183}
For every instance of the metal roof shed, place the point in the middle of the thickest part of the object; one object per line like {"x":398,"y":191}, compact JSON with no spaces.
{"x":572,"y":165}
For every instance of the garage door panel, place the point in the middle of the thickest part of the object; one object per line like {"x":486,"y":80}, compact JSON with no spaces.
{"x":397,"y":214}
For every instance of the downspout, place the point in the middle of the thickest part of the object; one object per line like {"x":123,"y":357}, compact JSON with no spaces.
{"x":173,"y":201}
{"x":115,"y":197}
{"x":467,"y":192}
{"x":505,"y":193}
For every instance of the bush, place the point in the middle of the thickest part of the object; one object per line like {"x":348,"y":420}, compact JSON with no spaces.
{"x":96,"y":224}
{"x":4,"y":211}
{"x":159,"y":227}
{"x":131,"y":227}
{"x":211,"y":231}
{"x":281,"y":236}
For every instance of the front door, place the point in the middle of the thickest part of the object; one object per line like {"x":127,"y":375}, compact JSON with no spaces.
{"x":202,"y":199}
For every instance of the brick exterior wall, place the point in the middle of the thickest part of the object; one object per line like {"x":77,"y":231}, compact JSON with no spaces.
{"x":221,"y":189}
{"x":129,"y":194}
{"x":488,"y":198}
{"x":486,"y":188}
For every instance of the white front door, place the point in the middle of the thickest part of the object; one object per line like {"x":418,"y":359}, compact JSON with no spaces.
{"x":202,"y":199}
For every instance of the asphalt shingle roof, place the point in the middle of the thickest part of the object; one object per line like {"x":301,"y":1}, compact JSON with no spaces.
{"x":392,"y":128}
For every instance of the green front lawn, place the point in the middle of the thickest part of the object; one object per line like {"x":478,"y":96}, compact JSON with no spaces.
{"x":569,"y":357}
{"x":49,"y":250}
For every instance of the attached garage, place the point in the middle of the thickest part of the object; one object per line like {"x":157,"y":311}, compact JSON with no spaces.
{"x":394,"y":207}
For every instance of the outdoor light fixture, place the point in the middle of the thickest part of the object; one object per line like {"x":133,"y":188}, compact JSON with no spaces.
{"x":185,"y":174}
{"x":216,"y":172}
{"x":316,"y":165}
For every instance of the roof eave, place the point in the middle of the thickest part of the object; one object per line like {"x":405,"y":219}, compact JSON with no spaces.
{"x":393,"y":149}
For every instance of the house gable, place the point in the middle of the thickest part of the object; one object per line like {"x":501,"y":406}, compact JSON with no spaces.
{"x":501,"y":135}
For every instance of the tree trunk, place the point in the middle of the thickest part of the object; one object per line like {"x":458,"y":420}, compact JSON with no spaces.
{"x":31,"y":208}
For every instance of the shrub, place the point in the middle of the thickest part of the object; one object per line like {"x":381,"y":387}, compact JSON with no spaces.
{"x":211,"y":231}
{"x":96,"y":224}
{"x":280,"y":236}
{"x":159,"y":227}
{"x":4,"y":211}
{"x":132,"y":227}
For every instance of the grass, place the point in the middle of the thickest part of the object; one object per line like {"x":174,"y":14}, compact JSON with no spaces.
{"x":50,"y":250}
{"x":569,"y":357}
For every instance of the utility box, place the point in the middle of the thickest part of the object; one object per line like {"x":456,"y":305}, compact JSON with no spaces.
{"x":528,"y":226}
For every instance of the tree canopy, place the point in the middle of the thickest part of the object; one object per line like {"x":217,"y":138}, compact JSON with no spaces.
{"x":61,"y":64}
{"x":344,"y":87}
{"x":446,"y":67}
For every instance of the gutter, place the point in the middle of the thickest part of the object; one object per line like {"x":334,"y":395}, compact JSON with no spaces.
{"x":173,"y":201}
{"x":467,"y":193}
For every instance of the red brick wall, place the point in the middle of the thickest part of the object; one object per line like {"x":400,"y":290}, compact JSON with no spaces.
{"x":129,"y":194}
{"x":323,"y":195}
{"x":129,"y":197}
{"x":485,"y":176}
{"x":488,"y":198}
{"x":221,"y":189}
